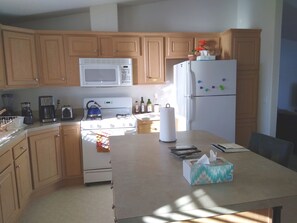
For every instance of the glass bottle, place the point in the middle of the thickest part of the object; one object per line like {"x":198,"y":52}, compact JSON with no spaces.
{"x":149,"y":106}
{"x":136,"y":107}
{"x":142,"y":106}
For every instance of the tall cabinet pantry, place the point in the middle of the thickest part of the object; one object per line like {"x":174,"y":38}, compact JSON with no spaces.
{"x":244,"y":46}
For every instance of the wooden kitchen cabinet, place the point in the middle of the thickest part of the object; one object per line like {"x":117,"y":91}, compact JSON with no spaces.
{"x":22,"y":171}
{"x":244,"y":46}
{"x":2,"y":64}
{"x":105,"y":46}
{"x":126,"y":46}
{"x":76,"y":46}
{"x":72,"y":155}
{"x":148,"y":126}
{"x":53,"y":71}
{"x":45,"y":150}
{"x":8,"y":193}
{"x":153,"y":61}
{"x":119,"y":46}
{"x":178,"y":47}
{"x":20,"y":58}
{"x":82,"y":45}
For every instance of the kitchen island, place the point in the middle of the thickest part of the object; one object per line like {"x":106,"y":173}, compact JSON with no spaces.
{"x":148,"y":182}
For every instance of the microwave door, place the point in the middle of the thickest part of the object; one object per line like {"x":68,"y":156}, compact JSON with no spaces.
{"x":100,"y":75}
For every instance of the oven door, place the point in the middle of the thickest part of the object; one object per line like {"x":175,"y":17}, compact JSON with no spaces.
{"x":94,"y":75}
{"x":94,"y":158}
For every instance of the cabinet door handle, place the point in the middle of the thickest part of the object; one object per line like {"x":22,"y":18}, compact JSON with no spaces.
{"x":36,"y":79}
{"x":22,"y":148}
{"x":113,"y":206}
{"x":18,"y":166}
{"x":57,"y":135}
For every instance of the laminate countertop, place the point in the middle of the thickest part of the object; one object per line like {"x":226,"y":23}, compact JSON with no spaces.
{"x":7,"y":136}
{"x":148,"y":182}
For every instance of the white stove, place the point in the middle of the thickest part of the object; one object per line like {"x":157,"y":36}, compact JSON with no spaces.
{"x":115,"y":113}
{"x":116,"y":119}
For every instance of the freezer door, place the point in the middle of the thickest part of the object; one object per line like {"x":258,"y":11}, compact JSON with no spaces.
{"x":213,"y":77}
{"x":182,"y":91}
{"x":215,"y":114}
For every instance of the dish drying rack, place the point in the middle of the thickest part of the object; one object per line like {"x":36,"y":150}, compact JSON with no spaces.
{"x":10,"y":122}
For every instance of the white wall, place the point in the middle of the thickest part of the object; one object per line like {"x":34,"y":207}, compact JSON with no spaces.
{"x":77,"y":21}
{"x":104,"y":17}
{"x":181,"y":16}
{"x":265,"y":14}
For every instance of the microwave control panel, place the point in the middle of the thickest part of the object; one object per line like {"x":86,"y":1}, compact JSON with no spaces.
{"x":126,"y":74}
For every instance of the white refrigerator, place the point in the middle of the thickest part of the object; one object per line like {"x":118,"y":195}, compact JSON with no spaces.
{"x":205,"y":96}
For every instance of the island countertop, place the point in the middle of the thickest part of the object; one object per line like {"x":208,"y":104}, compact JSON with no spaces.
{"x":149,"y":186}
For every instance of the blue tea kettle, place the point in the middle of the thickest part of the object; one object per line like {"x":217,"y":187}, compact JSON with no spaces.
{"x":93,"y":108}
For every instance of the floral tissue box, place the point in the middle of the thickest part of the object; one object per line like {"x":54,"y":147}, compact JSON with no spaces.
{"x":217,"y":171}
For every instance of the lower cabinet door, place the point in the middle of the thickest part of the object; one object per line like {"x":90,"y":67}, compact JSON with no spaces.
{"x":8,"y":195}
{"x":46,"y":158}
{"x":23,"y":177}
{"x":72,"y":151}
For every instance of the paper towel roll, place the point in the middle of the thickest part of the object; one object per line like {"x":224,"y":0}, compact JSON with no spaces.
{"x":167,"y":124}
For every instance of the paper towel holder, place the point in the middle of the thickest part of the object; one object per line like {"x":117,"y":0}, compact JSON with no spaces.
{"x":167,"y":131}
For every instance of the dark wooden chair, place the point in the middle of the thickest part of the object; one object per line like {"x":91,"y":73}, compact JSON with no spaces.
{"x":277,"y":150}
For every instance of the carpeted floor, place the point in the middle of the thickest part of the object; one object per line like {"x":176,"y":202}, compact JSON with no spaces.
{"x":76,"y":204}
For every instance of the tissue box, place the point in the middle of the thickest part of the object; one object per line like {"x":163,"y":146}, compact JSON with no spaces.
{"x":216,"y":172}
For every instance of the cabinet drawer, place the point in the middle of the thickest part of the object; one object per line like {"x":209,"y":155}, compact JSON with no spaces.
{"x":148,"y":126}
{"x":20,"y":148}
{"x":5,"y":160}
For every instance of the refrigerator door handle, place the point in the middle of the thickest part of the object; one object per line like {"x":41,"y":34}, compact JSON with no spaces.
{"x":189,"y":112}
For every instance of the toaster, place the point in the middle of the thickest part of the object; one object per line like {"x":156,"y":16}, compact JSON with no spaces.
{"x":67,"y":113}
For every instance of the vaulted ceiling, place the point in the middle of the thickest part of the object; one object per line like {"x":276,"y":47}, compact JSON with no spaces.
{"x":22,"y":9}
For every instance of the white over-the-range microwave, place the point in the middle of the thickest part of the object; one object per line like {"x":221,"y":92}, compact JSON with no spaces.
{"x":105,"y":72}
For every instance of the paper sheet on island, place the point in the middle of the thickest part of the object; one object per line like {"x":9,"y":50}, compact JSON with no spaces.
{"x":230,"y":147}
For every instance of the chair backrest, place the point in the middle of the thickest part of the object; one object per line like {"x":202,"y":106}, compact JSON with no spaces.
{"x":275,"y":149}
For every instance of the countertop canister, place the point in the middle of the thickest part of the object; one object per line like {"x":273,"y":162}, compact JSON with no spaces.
{"x":167,"y":124}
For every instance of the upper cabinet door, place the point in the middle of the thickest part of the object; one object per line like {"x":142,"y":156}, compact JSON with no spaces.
{"x":247,"y":52}
{"x":154,"y":60}
{"x":126,"y":46}
{"x":20,"y":58}
{"x":82,"y":45}
{"x":2,"y":65}
{"x":105,"y":46}
{"x":53,"y":61}
{"x":179,"y":47}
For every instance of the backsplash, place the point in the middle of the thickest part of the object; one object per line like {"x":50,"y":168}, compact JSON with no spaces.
{"x":73,"y":96}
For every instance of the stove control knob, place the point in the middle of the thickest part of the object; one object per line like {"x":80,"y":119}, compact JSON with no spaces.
{"x":112,"y":125}
{"x":91,"y":126}
{"x":98,"y":126}
{"x":130,"y":124}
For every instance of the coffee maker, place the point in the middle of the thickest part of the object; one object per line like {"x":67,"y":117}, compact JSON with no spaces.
{"x":47,"y":111}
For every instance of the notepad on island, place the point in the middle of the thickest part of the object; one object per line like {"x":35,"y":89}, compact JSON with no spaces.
{"x":230,"y":147}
